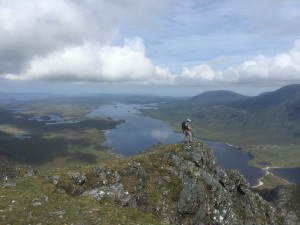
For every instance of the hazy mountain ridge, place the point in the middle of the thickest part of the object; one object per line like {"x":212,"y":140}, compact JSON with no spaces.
{"x":210,"y":98}
{"x":273,"y":99}
{"x":168,"y":184}
{"x":269,"y":118}
{"x":230,"y":98}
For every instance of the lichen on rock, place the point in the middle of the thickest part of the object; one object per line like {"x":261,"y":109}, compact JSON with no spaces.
{"x":178,"y":184}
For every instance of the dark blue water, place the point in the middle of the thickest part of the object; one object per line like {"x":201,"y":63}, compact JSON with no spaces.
{"x":230,"y":158}
{"x":290,"y":174}
{"x":139,"y":133}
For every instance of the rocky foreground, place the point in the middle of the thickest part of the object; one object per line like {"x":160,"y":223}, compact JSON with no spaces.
{"x":168,"y":184}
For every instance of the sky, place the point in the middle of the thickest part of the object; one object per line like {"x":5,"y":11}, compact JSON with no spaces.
{"x":170,"y":47}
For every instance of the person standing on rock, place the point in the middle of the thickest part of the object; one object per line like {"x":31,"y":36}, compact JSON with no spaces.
{"x":188,"y":130}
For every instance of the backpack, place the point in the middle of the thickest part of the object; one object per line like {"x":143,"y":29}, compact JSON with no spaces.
{"x":184,"y":126}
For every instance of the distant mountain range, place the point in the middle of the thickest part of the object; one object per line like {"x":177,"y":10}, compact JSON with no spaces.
{"x":230,"y":98}
{"x":211,"y":98}
{"x":269,"y":118}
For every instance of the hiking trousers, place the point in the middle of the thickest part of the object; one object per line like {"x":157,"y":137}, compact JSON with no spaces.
{"x":188,"y":135}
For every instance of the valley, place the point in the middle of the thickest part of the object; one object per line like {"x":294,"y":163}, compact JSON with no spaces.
{"x":56,"y":131}
{"x":45,"y":145}
{"x":264,"y":126}
{"x":77,"y":179}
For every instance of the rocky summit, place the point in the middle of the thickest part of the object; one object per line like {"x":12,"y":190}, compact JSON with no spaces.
{"x":178,"y":184}
{"x":167,"y":184}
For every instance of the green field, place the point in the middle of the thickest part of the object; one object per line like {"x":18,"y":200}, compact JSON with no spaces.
{"x":278,"y":155}
{"x":49,"y":146}
{"x":54,"y":146}
{"x":283,"y":154}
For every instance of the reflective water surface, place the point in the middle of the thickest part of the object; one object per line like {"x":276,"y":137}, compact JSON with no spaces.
{"x":139,"y":132}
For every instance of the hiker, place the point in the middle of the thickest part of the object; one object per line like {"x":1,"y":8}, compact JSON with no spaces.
{"x":188,"y":130}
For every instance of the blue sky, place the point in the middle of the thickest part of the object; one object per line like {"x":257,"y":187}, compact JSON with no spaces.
{"x":155,"y":47}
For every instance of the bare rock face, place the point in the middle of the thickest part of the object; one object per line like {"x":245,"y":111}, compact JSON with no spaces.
{"x":178,"y":184}
{"x":217,"y":196}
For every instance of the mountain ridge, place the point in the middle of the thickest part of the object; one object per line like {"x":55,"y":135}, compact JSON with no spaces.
{"x":231,"y":98}
{"x":269,"y":118}
{"x":216,"y":97}
{"x":274,"y":98}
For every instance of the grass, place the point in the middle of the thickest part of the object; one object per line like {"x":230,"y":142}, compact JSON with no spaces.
{"x":237,"y":126}
{"x":275,"y":155}
{"x":73,"y":144}
{"x":271,"y":181}
{"x":54,"y":207}
{"x":51,"y":146}
{"x":282,"y":154}
{"x":67,"y":107}
{"x":36,"y":200}
{"x":13,"y":130}
{"x":152,"y":165}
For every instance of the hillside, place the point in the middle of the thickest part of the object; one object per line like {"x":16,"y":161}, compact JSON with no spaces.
{"x":282,"y":96}
{"x":269,"y":118}
{"x":210,"y":98}
{"x":168,"y":184}
{"x":287,"y":196}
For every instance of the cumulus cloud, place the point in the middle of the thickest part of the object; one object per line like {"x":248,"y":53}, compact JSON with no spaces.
{"x":36,"y":29}
{"x":283,"y":67}
{"x":200,"y":74}
{"x":78,"y":41}
{"x":95,"y":62}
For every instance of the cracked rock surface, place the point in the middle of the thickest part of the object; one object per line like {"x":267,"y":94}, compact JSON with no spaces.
{"x":178,"y":184}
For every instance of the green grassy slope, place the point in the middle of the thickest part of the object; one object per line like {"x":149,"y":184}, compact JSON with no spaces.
{"x":35,"y":200}
{"x":272,"y":118}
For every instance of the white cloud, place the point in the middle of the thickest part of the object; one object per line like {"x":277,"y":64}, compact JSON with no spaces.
{"x":95,"y":62}
{"x":284,"y":67}
{"x":197,"y":75}
{"x":35,"y":29}
{"x":281,"y":67}
{"x":77,"y":41}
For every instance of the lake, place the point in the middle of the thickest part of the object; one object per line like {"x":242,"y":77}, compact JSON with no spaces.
{"x":290,"y":174}
{"x":139,"y":132}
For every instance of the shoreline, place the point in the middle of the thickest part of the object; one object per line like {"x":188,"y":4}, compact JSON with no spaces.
{"x":259,"y":181}
{"x":266,"y":169}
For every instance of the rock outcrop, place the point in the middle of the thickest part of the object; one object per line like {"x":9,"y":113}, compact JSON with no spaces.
{"x":10,"y":170}
{"x":178,"y":184}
